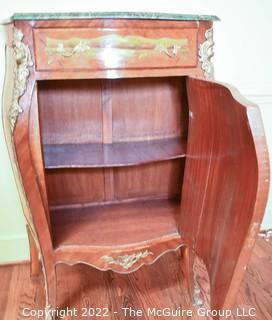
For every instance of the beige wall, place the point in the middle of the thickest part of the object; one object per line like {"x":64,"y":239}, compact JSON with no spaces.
{"x":242,"y":58}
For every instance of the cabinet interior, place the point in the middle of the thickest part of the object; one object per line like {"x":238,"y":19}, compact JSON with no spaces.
{"x":114,"y":153}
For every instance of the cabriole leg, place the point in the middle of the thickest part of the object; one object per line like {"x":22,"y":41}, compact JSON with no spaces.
{"x":50,"y":285}
{"x":34,"y":256}
{"x":197,"y":299}
{"x":189,"y":267}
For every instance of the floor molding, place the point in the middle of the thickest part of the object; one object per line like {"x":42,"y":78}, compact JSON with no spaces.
{"x":11,"y":263}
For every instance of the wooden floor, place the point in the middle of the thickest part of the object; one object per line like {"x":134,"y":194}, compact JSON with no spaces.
{"x":158,"y":286}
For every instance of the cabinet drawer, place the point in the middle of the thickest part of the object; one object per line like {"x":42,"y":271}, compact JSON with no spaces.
{"x":114,"y":48}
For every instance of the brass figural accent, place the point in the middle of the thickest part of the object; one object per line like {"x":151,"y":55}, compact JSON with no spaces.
{"x":129,"y":83}
{"x":205,"y":54}
{"x":197,"y":299}
{"x":170,"y":52}
{"x":117,"y":45}
{"x":266,"y":234}
{"x":81,"y":47}
{"x":127,"y":260}
{"x":49,"y":312}
{"x":23,"y":62}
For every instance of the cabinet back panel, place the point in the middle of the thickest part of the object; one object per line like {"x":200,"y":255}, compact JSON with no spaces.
{"x":75,"y":186}
{"x":148,"y":108}
{"x":70,"y":111}
{"x":105,"y":111}
{"x":162,"y":179}
{"x":108,"y":111}
{"x":84,"y":186}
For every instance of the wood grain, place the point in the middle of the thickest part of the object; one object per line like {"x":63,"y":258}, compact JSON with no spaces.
{"x":75,"y":186}
{"x":83,"y":226}
{"x":114,"y":133}
{"x":112,"y":48}
{"x":112,"y":154}
{"x":223,"y":196}
{"x":159,"y":179}
{"x":34,"y":255}
{"x":225,"y":185}
{"x":152,"y":286}
{"x":160,"y":100}
{"x":63,"y":101}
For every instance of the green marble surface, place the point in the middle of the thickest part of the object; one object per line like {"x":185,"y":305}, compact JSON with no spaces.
{"x":112,"y":15}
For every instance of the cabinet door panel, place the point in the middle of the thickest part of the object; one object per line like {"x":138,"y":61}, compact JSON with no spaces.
{"x":225,"y":183}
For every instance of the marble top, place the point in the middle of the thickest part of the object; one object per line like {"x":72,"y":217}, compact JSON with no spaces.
{"x":112,"y":15}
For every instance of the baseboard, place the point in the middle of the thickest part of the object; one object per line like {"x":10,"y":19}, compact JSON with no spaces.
{"x":13,"y":263}
{"x":13,"y":249}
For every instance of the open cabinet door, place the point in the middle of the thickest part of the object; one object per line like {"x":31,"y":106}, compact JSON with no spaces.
{"x":225,"y":184}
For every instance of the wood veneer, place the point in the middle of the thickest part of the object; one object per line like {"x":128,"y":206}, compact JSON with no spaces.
{"x":115,"y":48}
{"x":149,"y":287}
{"x":212,"y":197}
{"x":151,"y":219}
{"x":112,"y":133}
{"x":95,"y":155}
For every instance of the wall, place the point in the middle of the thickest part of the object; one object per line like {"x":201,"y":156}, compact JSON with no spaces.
{"x":242,"y":58}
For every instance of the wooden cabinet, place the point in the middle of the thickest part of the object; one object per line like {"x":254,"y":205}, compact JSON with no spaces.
{"x":123,"y":149}
{"x":116,"y":47}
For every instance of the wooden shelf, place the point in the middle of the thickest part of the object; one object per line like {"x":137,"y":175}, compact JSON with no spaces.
{"x":112,"y":155}
{"x":115,"y":224}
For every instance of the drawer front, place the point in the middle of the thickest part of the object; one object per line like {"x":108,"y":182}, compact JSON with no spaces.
{"x":108,"y":48}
